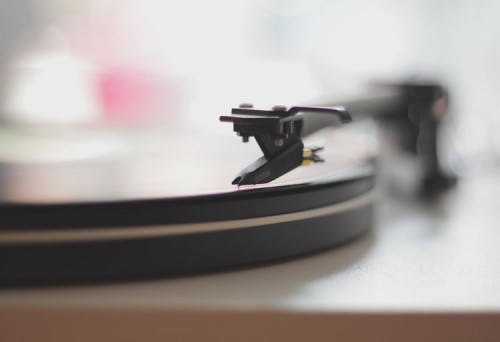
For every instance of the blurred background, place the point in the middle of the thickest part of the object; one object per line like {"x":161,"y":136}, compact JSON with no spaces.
{"x":80,"y":78}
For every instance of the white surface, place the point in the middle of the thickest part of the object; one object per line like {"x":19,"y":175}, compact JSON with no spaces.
{"x":418,"y":257}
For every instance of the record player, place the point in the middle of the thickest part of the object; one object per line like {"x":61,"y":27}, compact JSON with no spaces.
{"x":312,"y":189}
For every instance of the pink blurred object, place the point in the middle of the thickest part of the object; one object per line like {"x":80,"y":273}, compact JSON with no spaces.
{"x":131,"y":95}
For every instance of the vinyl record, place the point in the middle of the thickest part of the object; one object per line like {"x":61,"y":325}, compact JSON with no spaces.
{"x":148,"y":214}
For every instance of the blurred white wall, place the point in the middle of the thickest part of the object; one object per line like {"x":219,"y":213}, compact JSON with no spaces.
{"x":219,"y":53}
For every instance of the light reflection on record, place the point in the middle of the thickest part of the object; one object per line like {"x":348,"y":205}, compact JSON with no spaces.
{"x":173,"y":164}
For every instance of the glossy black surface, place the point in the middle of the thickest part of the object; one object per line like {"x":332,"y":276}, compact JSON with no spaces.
{"x":167,"y":256}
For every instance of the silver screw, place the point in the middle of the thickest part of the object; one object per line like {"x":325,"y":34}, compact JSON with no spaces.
{"x":279,"y":108}
{"x":246,"y":105}
{"x":278,"y":142}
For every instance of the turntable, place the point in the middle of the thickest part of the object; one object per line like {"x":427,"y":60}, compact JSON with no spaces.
{"x":188,"y":212}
